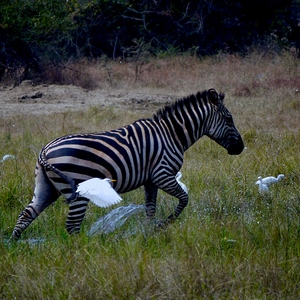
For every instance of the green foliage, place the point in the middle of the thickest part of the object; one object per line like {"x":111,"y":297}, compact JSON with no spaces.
{"x":37,"y":38}
{"x":37,"y":22}
{"x":58,"y":30}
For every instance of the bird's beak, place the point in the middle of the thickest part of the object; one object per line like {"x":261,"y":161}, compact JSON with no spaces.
{"x":113,"y":180}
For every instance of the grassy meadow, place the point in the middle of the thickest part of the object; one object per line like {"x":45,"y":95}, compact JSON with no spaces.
{"x":229,"y":243}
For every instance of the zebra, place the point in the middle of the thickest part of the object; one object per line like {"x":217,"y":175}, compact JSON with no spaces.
{"x":148,"y":152}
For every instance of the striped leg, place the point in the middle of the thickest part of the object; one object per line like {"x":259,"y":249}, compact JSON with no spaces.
{"x":77,"y":209}
{"x":150,"y":198}
{"x":174,"y":189}
{"x":44,"y":194}
{"x":183,"y":201}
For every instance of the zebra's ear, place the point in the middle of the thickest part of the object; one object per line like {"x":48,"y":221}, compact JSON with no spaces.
{"x":213,"y":96}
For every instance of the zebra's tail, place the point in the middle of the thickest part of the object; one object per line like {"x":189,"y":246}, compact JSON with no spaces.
{"x":43,"y":162}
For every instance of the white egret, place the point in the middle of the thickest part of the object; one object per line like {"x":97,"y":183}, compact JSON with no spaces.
{"x":271,"y":179}
{"x":99,"y":191}
{"x":6,"y":157}
{"x":264,"y":183}
{"x":262,"y":188}
{"x":183,"y":186}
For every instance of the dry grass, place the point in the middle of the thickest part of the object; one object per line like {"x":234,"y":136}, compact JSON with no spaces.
{"x":246,"y":76}
{"x":230,"y":242}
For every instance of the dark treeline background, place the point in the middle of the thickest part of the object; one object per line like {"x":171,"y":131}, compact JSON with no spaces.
{"x":38,"y":32}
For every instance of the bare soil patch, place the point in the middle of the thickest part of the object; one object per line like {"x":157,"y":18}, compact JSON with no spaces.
{"x":46,"y":99}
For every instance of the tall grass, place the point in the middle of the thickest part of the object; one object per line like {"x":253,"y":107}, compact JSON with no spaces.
{"x":229,"y":243}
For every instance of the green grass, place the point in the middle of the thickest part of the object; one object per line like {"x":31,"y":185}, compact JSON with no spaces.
{"x":229,"y":243}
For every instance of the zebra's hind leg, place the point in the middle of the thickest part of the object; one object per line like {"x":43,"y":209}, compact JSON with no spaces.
{"x":77,"y":209}
{"x":44,"y":194}
{"x":150,"y":199}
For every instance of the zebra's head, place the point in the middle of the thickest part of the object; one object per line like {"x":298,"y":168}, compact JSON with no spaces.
{"x":221,"y":127}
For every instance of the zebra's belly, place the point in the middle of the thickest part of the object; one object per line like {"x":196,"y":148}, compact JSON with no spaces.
{"x":124,"y":179}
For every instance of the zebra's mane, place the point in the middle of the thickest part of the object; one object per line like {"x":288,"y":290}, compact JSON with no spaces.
{"x":169,"y":110}
{"x":188,"y":101}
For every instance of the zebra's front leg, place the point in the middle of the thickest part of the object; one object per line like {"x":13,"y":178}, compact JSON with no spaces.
{"x":183,"y":201}
{"x":150,"y":199}
{"x":174,"y":189}
{"x":77,"y":209}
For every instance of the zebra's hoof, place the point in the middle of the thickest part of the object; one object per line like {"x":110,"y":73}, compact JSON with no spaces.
{"x":161,"y":224}
{"x":15,"y":236}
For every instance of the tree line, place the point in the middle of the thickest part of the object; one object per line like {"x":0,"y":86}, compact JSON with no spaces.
{"x":36,"y":32}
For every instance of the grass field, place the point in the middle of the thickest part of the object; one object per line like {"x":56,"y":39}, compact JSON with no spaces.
{"x":229,"y":243}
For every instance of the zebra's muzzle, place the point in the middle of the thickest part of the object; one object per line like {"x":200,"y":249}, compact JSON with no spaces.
{"x":236,"y":147}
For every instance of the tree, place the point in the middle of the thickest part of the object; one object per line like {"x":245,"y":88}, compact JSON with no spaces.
{"x":35,"y":32}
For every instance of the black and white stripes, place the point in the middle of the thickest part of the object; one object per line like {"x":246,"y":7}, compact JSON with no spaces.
{"x":148,"y":152}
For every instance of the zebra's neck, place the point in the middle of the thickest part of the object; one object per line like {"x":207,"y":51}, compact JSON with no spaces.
{"x":184,"y":119}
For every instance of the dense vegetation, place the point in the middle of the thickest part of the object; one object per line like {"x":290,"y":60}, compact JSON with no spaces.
{"x":34,"y":34}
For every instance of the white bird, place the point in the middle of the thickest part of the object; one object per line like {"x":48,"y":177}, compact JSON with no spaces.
{"x":183,"y":186}
{"x":269,"y":180}
{"x":262,"y":188}
{"x":6,"y":157}
{"x":264,"y":183}
{"x":99,"y":191}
